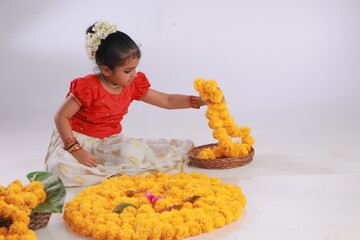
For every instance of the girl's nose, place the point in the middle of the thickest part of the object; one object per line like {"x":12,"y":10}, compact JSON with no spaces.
{"x":134,"y":74}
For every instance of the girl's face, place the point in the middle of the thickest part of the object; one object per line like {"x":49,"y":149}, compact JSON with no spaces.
{"x":122,"y":75}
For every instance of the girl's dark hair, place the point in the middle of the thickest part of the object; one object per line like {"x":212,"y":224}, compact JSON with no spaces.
{"x":116,"y":49}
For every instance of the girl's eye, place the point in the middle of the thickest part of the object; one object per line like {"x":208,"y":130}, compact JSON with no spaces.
{"x":128,"y":71}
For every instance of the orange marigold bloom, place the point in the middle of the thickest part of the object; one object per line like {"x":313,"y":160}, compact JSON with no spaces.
{"x":179,"y":215}
{"x":207,"y":153}
{"x":223,"y":124}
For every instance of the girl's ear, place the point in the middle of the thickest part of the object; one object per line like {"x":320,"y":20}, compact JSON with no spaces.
{"x":106,"y":71}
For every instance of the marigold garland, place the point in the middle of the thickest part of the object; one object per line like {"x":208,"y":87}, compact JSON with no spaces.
{"x":186,"y":205}
{"x":16,"y":203}
{"x":223,"y":125}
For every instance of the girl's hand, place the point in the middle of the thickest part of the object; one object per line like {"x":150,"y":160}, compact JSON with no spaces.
{"x":203,"y":102}
{"x":86,"y":158}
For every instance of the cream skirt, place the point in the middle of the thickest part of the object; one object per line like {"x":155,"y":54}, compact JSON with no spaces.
{"x":118,"y":155}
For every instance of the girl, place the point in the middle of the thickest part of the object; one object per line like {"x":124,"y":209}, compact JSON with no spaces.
{"x":87,"y":145}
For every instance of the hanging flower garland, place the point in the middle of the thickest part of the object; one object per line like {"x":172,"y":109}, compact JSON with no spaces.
{"x":16,"y":203}
{"x":155,"y":207}
{"x":223,"y":125}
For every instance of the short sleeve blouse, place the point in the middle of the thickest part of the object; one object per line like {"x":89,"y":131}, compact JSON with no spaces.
{"x":101,"y":111}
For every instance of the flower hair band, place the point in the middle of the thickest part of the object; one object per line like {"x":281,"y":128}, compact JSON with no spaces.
{"x":101,"y":30}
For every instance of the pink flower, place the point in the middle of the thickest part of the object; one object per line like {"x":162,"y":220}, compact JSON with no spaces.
{"x":152,"y":198}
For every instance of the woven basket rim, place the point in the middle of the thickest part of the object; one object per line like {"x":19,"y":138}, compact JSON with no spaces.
{"x":218,"y":163}
{"x":38,"y":220}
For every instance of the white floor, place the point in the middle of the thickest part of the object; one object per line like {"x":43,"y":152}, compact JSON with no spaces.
{"x":300,"y":185}
{"x":289,"y":70}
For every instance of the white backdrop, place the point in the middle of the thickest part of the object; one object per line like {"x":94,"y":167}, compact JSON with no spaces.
{"x":289,"y":70}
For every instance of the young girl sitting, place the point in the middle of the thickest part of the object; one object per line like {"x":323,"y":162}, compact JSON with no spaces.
{"x":87,"y":145}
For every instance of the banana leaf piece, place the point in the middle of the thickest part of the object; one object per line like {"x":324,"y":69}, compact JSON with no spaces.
{"x":55,"y":192}
{"x":119,"y":208}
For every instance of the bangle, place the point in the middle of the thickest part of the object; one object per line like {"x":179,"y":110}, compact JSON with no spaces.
{"x":194,"y":102}
{"x":75,"y":147}
{"x":71,"y":145}
{"x":69,"y":142}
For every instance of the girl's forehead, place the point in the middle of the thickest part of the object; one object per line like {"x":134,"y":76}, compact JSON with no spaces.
{"x":131,"y":63}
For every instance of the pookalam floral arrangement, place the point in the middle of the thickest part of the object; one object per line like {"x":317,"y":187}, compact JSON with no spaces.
{"x":22,"y":207}
{"x":223,"y":125}
{"x":157,"y":207}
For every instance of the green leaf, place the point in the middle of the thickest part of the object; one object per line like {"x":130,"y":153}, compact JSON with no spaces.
{"x":119,"y":208}
{"x":55,"y":192}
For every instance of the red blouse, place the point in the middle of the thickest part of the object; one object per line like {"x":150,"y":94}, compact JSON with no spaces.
{"x":101,"y":112}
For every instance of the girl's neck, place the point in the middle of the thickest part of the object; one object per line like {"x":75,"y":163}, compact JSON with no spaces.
{"x":108,"y":82}
{"x":110,"y":86}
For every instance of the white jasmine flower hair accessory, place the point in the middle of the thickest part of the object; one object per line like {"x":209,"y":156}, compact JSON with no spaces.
{"x":101,"y":30}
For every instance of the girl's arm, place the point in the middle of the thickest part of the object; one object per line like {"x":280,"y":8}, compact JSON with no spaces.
{"x":62,"y":117}
{"x":170,"y":101}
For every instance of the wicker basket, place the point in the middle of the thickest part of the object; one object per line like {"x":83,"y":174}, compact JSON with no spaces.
{"x":37,"y":220}
{"x":219,"y":163}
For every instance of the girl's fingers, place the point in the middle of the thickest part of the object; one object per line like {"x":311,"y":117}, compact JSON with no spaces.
{"x":90,"y":163}
{"x":93,"y":163}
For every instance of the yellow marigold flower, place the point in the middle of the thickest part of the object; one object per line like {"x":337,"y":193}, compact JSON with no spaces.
{"x":181,"y":231}
{"x":211,"y":114}
{"x":219,"y":133}
{"x":198,"y":83}
{"x":245,"y":131}
{"x":147,"y":209}
{"x":30,"y":200}
{"x":206,"y":223}
{"x":219,"y":118}
{"x":175,"y":191}
{"x":19,"y":228}
{"x":34,"y":186}
{"x":234,"y":151}
{"x":217,"y":107}
{"x":176,"y":220}
{"x":194,"y":228}
{"x":3,"y":231}
{"x":215,"y":123}
{"x":15,"y":198}
{"x":219,"y":220}
{"x":14,"y":187}
{"x":227,"y":213}
{"x":155,"y":233}
{"x":167,"y":231}
{"x":131,"y":211}
{"x":112,"y":230}
{"x":2,"y":192}
{"x":171,"y":218}
{"x":125,"y":234}
{"x":100,"y":231}
{"x":20,"y":216}
{"x":248,"y":140}
{"x":218,"y":151}
{"x":18,"y":183}
{"x":187,"y":205}
{"x":224,"y":143}
{"x":188,"y":214}
{"x":207,"y":153}
{"x":162,"y":204}
{"x":245,"y":149}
